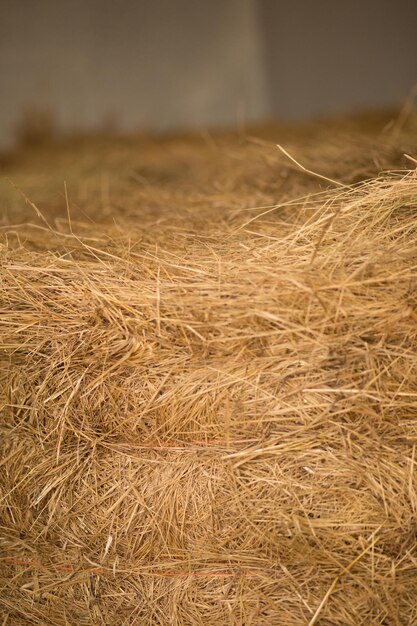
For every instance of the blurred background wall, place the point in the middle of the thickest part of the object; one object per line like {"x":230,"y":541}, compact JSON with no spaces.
{"x":164,"y":64}
{"x":332,"y":56}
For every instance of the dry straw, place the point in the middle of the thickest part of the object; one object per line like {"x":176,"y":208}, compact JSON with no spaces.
{"x":209,"y":411}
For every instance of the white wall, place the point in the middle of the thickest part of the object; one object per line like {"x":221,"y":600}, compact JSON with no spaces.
{"x":197,"y":63}
{"x":149,"y":63}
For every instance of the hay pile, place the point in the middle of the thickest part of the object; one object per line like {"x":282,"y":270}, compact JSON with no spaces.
{"x":209,"y":380}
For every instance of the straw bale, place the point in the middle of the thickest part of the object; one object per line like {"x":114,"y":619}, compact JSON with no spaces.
{"x":209,"y":378}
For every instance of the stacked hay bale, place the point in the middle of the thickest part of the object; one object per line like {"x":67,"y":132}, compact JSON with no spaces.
{"x":209,"y":381}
